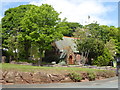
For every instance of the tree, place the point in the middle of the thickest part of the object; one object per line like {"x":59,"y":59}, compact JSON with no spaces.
{"x":99,"y":32}
{"x":111,"y":47}
{"x":28,"y":28}
{"x":72,"y":26}
{"x":88,"y":46}
{"x":104,"y":59}
{"x":93,"y":41}
{"x":42,"y":26}
{"x":118,"y":41}
{"x":11,"y":28}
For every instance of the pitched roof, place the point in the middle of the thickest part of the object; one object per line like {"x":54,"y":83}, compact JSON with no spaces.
{"x":67,"y":42}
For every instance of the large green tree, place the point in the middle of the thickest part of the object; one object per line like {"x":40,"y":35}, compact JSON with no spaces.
{"x":97,"y":42}
{"x":89,"y":47}
{"x":29,"y":30}
{"x":10,"y":30}
{"x":42,"y":26}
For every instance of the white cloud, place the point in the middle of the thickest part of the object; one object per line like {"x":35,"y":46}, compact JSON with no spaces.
{"x":69,"y":0}
{"x":78,"y":10}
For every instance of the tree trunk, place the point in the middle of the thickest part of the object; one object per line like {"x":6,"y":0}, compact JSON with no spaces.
{"x":89,"y":61}
{"x":40,"y":59}
{"x":26,"y":48}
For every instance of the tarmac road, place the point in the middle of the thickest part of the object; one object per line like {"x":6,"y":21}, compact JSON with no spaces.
{"x":106,"y":83}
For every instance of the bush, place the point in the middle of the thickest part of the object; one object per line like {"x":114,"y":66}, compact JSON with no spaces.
{"x":62,"y":63}
{"x":51,"y":58}
{"x":91,"y":76}
{"x":99,"y":61}
{"x":75,"y":77}
{"x":29,"y":61}
{"x":104,"y":59}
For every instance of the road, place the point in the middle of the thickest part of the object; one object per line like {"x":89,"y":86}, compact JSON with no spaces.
{"x":106,"y":83}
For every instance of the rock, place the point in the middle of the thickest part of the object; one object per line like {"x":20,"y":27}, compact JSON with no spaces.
{"x":56,"y":78}
{"x":4,"y":74}
{"x":13,"y":62}
{"x":9,"y":83}
{"x":67,"y":79}
{"x":27,"y":77}
{"x":36,"y":78}
{"x":1,"y":77}
{"x":2,"y":81}
{"x":40,"y":77}
{"x":53,"y":62}
{"x":85,"y":80}
{"x":19,"y":80}
{"x":44,"y":78}
{"x":10,"y":77}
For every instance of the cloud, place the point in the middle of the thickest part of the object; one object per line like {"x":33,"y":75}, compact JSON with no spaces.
{"x":79,"y":10}
{"x":69,"y":0}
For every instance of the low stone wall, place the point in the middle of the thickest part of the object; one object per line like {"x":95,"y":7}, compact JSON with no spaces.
{"x":57,"y":65}
{"x":21,"y":63}
{"x":92,"y":67}
{"x":16,"y":77}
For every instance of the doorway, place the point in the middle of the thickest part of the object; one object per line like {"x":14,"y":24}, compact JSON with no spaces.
{"x":70,"y":59}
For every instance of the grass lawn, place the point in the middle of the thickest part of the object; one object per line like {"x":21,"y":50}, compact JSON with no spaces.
{"x":26,"y":68}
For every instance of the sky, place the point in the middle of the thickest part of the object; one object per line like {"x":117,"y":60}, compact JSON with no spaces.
{"x":105,"y":12}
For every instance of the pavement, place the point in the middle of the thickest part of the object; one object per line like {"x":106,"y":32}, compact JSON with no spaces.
{"x":105,"y":83}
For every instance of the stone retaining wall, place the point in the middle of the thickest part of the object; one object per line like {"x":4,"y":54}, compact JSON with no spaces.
{"x":16,"y":77}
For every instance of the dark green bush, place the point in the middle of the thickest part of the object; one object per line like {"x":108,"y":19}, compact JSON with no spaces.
{"x":51,"y":58}
{"x":29,"y":61}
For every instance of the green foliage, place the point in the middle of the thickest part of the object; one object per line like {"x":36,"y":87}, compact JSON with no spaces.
{"x":104,"y":59}
{"x":75,"y":77}
{"x":98,"y":42}
{"x":29,"y":30}
{"x":107,"y":55}
{"x":51,"y":58}
{"x":89,"y":47}
{"x":118,"y":42}
{"x":112,"y":48}
{"x":11,"y":31}
{"x":72,"y":26}
{"x":29,"y":61}
{"x":91,"y":76}
{"x":43,"y":26}
{"x":99,"y":61}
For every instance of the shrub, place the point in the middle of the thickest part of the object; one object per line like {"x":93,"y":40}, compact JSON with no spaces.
{"x":62,"y":62}
{"x":104,"y":59}
{"x":99,"y":61}
{"x":75,"y":77}
{"x":109,"y":74}
{"x":51,"y":58}
{"x":29,"y":61}
{"x":91,"y":76}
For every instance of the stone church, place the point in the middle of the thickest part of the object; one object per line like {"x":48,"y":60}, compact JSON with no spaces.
{"x":68,"y":50}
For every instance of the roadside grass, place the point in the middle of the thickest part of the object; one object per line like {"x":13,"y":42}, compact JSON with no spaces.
{"x":27,"y":68}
